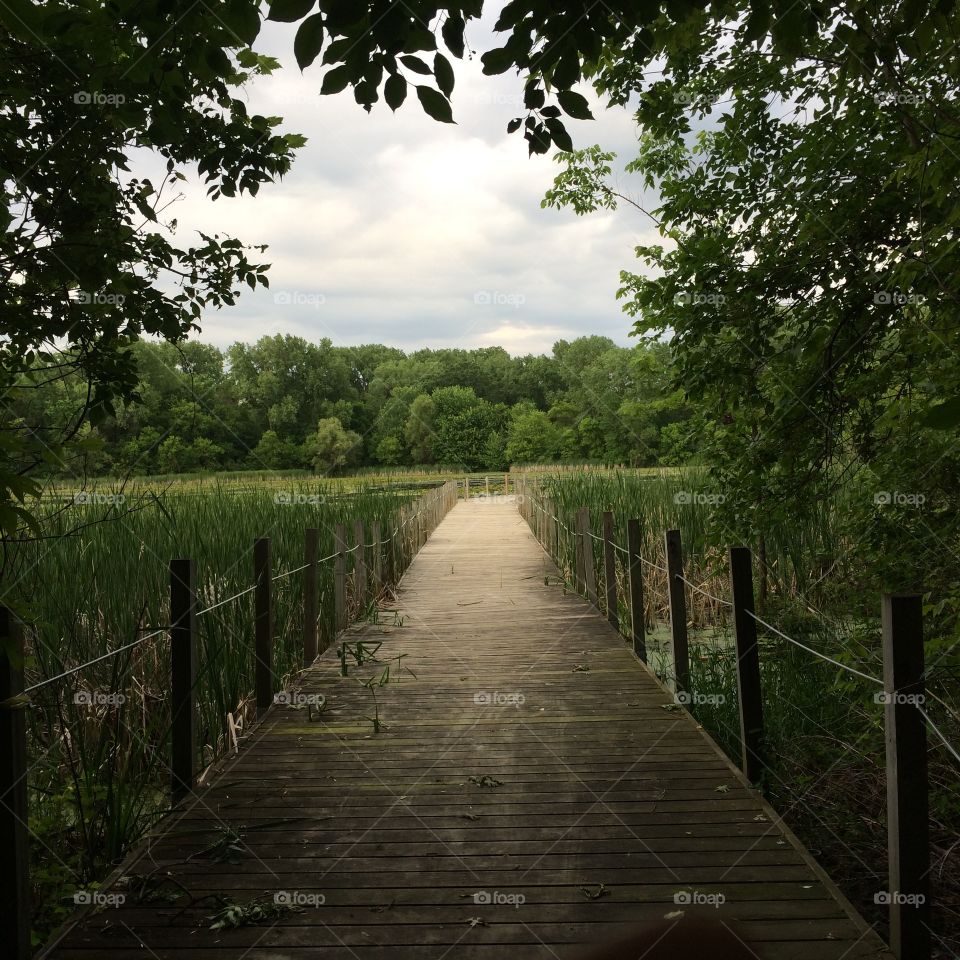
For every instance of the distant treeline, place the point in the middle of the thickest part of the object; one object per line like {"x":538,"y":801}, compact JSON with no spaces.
{"x":284,"y":402}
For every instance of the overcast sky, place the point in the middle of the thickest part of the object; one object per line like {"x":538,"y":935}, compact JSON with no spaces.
{"x":396,"y":229}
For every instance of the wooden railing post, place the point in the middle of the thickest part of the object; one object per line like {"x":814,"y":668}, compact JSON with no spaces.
{"x":637,"y":628}
{"x":183,"y":677}
{"x":907,"y":786}
{"x":673,"y":551}
{"x":466,"y":488}
{"x":263,"y":624}
{"x":377,"y":573}
{"x":311,"y":550}
{"x":610,"y":570}
{"x":340,"y":577}
{"x":589,"y":574}
{"x":748,"y":664}
{"x":15,"y":899}
{"x":506,"y":484}
{"x":360,"y":564}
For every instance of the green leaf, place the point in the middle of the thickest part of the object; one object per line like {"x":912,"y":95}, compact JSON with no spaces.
{"x":335,"y":80}
{"x":309,"y":40}
{"x":514,"y":125}
{"x":559,"y":135}
{"x":416,"y":65}
{"x":289,"y":11}
{"x":395,"y":91}
{"x":567,"y":71}
{"x":435,"y":104}
{"x":574,"y":104}
{"x":452,"y":33}
{"x":443,"y":71}
{"x":497,"y":61}
{"x":944,"y":416}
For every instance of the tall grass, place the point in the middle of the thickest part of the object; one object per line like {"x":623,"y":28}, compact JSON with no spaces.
{"x":98,"y":581}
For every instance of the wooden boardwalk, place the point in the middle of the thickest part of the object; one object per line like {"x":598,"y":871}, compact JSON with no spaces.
{"x":528,"y":792}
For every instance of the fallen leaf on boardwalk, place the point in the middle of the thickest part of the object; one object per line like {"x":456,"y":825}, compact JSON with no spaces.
{"x":477,"y":922}
{"x":581,"y":668}
{"x":486,"y":781}
{"x":595,"y":893}
{"x":670,"y":706}
{"x":723,"y":788}
{"x":673,"y":915}
{"x":469,"y":816}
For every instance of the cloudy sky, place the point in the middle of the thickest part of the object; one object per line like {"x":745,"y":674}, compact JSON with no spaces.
{"x":396,"y":229}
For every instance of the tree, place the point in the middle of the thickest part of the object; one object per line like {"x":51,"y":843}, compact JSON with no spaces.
{"x":532,"y":438}
{"x":87,"y":259}
{"x":332,"y":446}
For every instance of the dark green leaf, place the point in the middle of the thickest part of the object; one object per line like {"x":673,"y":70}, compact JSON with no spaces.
{"x":335,"y":80}
{"x":289,"y":11}
{"x":395,"y":91}
{"x":416,"y":65}
{"x":559,"y":134}
{"x":452,"y":33}
{"x":435,"y":104}
{"x":497,"y":61}
{"x":309,"y":40}
{"x":944,"y":416}
{"x":574,"y":104}
{"x":443,"y":71}
{"x":514,"y":125}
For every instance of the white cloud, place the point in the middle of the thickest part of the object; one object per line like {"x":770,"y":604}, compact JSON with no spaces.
{"x":398,"y":221}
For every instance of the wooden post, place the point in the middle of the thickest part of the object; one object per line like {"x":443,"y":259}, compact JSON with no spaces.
{"x":748,"y":664}
{"x":377,"y":573}
{"x":637,"y":630}
{"x":678,"y":611}
{"x":907,"y":788}
{"x":589,"y":574}
{"x":263,"y":624}
{"x":15,"y":895}
{"x":360,"y":565}
{"x":610,"y":570}
{"x":340,"y":577}
{"x":183,"y":677}
{"x":466,"y":488}
{"x":311,"y":550}
{"x":578,"y":552}
{"x":506,"y":484}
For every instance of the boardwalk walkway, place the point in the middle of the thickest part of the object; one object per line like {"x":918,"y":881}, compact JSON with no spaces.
{"x":527,"y":793}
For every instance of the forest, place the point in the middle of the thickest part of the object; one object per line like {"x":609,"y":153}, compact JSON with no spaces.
{"x":284,"y":403}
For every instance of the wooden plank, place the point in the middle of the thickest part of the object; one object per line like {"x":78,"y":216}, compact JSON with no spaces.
{"x":311,"y":598}
{"x":263,"y":625}
{"x":15,"y":906}
{"x":635,"y":576}
{"x":183,"y":677}
{"x":908,"y":830}
{"x":678,"y":613}
{"x":610,"y":571}
{"x":748,"y":664}
{"x":531,"y":754}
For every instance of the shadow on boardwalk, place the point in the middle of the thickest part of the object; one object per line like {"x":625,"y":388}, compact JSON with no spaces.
{"x":528,"y":791}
